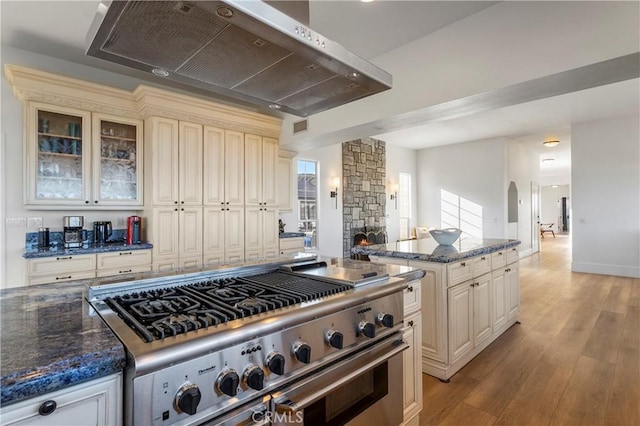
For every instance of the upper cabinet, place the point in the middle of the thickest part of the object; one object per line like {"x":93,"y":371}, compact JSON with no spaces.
{"x":117,"y":162}
{"x":261,"y":156}
{"x":76,"y":158}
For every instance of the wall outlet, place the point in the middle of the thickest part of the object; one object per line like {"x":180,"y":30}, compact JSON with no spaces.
{"x":34,"y":222}
{"x":121,"y":222}
{"x":16,"y":222}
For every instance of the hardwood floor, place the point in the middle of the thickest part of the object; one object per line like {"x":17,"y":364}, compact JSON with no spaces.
{"x":573,"y":360}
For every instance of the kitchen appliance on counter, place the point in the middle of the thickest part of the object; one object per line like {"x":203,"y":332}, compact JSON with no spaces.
{"x":250,"y":345}
{"x":102,"y":231}
{"x":73,"y":233}
{"x":134,"y":230}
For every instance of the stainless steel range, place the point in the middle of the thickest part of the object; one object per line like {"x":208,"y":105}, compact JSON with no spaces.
{"x":259,"y":345}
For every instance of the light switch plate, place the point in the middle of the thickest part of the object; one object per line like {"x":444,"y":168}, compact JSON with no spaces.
{"x":16,"y":222}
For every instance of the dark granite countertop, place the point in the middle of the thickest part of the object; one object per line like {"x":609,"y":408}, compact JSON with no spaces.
{"x":291,"y":234}
{"x":429,"y":250}
{"x":50,"y":340}
{"x":33,"y":252}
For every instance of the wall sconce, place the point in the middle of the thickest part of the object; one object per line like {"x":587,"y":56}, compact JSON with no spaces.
{"x":394,"y":195}
{"x":334,"y":193}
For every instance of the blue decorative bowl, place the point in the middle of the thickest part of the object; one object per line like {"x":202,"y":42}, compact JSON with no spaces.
{"x":445,"y":237}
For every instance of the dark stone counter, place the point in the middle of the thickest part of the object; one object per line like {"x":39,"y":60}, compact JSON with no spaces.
{"x":429,"y":250}
{"x":51,"y":340}
{"x":34,"y":252}
{"x":292,"y":234}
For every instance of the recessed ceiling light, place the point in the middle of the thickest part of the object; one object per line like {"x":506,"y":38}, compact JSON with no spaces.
{"x":352,"y":75}
{"x":274,"y":106}
{"x":554,"y":186}
{"x":547,"y":160}
{"x":551,"y":143}
{"x":366,"y":1}
{"x":160,"y":72}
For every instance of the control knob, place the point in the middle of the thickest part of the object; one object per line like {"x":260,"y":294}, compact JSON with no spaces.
{"x":302,"y":351}
{"x":228,"y":381}
{"x":187,"y":399}
{"x":254,"y":377}
{"x":367,"y":328}
{"x":334,"y":339}
{"x":385,"y":320}
{"x":275,"y":363}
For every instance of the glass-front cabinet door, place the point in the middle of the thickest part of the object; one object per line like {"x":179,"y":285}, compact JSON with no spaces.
{"x":117,"y":166}
{"x":58,"y":156}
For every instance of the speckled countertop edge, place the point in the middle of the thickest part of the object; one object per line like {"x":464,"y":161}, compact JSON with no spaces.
{"x":33,"y":253}
{"x":292,"y":234}
{"x":51,"y":339}
{"x":449,"y":254}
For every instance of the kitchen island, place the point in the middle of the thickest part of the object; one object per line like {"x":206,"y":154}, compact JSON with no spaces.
{"x":470,"y":295}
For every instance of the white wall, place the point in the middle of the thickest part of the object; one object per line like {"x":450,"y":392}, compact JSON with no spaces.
{"x":504,"y":44}
{"x":400,"y":160}
{"x":523,"y":169}
{"x":551,"y":204}
{"x":605,"y":196}
{"x":476,"y":171}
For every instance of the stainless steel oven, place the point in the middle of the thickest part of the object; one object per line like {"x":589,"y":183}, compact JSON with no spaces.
{"x":363,"y":389}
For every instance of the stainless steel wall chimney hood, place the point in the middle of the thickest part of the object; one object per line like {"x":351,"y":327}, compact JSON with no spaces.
{"x":245,"y":50}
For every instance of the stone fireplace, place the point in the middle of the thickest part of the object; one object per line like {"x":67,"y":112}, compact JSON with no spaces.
{"x":364,"y":193}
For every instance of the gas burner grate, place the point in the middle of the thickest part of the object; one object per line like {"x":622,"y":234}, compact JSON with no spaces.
{"x":162,"y":313}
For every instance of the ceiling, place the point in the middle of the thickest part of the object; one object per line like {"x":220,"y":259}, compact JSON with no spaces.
{"x":380,"y":26}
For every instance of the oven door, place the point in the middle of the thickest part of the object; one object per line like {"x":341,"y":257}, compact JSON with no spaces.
{"x":363,"y":389}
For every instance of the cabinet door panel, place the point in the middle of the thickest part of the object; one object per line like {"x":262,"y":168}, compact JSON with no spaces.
{"x":190,"y":157}
{"x":233,"y":168}
{"x":213,"y":233}
{"x":253,"y":229}
{"x":285,"y":184}
{"x":482,"y":308}
{"x":234,"y":234}
{"x":165,"y":232}
{"x":252,"y":170}
{"x":161,"y":140}
{"x":460,"y":321}
{"x":190,"y":232}
{"x":499,"y":299}
{"x":512,"y":280}
{"x":270,"y":232}
{"x":412,"y":366}
{"x":57,"y":156}
{"x":213,"y":167}
{"x":269,"y":171}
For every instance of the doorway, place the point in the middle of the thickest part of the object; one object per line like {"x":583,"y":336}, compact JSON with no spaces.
{"x":535,"y":217}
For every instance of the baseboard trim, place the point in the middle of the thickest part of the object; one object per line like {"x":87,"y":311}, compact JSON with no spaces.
{"x":605,"y":269}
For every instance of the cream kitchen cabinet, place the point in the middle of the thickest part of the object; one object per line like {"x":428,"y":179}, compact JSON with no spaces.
{"x":123,"y":262}
{"x":98,"y":402}
{"x":261,"y":233}
{"x":177,"y":237}
{"x":289,"y":246}
{"x":260,"y":184}
{"x":465,"y":306}
{"x":175,"y":160}
{"x":76,"y":158}
{"x":56,"y":269}
{"x":412,"y":357}
{"x":223,"y":235}
{"x":223,"y":167}
{"x":469,"y":309}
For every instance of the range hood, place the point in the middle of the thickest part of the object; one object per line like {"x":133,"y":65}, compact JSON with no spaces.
{"x":246,"y":50}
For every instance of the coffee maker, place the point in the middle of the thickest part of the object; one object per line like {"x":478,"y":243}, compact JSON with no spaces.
{"x":102,"y":231}
{"x":134,"y":231}
{"x":72,"y":232}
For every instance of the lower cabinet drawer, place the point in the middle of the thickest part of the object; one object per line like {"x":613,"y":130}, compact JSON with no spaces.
{"x":512,"y":255}
{"x":60,"y":265}
{"x":62,"y":277}
{"x":458,"y":272}
{"x":498,"y":259}
{"x":124,"y":259}
{"x":412,"y":298}
{"x":123,"y":270}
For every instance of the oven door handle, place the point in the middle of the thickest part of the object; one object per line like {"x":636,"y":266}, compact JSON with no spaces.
{"x":310,"y":390}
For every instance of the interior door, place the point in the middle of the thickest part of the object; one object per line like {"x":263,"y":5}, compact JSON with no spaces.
{"x":535,"y":217}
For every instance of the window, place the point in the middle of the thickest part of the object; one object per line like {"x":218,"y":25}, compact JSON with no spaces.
{"x":308,"y":201}
{"x":404,"y":205}
{"x":458,"y":212}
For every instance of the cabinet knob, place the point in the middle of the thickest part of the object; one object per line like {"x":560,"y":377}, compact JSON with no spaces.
{"x":410,"y":288}
{"x":181,"y":202}
{"x":175,"y":202}
{"x":96,"y":202}
{"x":463,"y":264}
{"x":64,"y":278}
{"x":47,"y":408}
{"x":86,"y":202}
{"x":181,"y":209}
{"x":410,"y":323}
{"x":125,"y":272}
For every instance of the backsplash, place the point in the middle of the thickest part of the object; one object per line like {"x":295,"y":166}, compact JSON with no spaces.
{"x":56,"y":239}
{"x":364,"y":177}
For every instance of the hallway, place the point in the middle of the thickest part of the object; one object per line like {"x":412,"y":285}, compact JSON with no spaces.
{"x":573,"y":360}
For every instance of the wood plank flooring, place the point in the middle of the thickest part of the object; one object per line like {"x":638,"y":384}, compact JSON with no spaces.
{"x":573,"y":360}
